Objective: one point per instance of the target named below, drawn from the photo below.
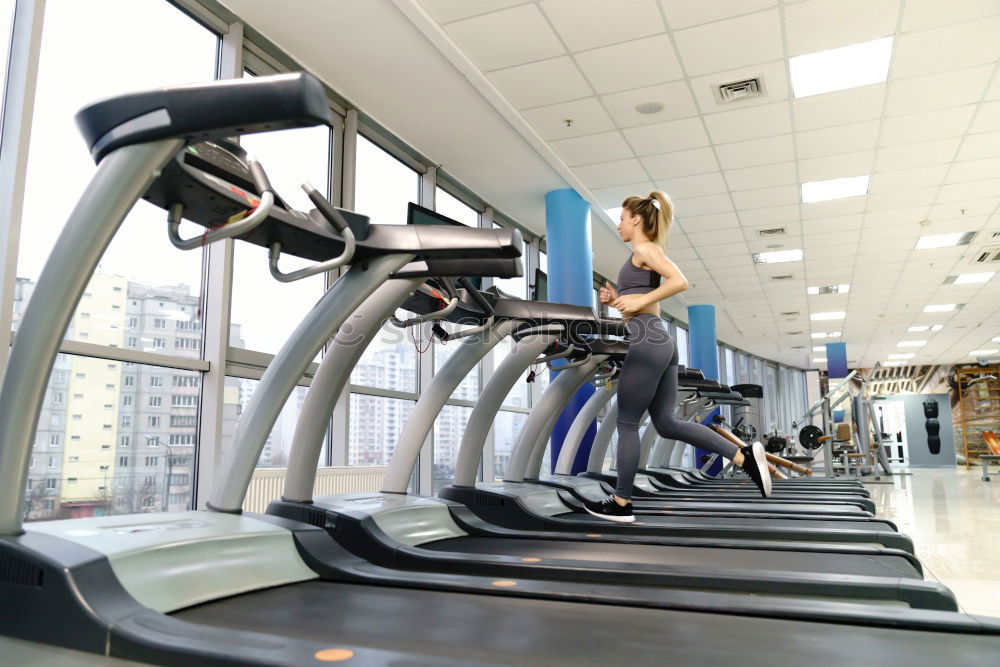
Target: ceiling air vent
(794, 333)
(774, 231)
(987, 255)
(791, 313)
(735, 91)
(787, 276)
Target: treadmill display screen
(418, 215)
(541, 286)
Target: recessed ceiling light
(922, 327)
(826, 334)
(834, 315)
(937, 327)
(908, 355)
(835, 188)
(979, 352)
(995, 339)
(818, 360)
(649, 107)
(778, 256)
(839, 69)
(819, 348)
(942, 307)
(911, 343)
(944, 240)
(829, 289)
(894, 363)
(970, 278)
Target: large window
(682, 346)
(376, 423)
(506, 430)
(384, 188)
(771, 399)
(266, 310)
(449, 427)
(91, 50)
(115, 438)
(238, 393)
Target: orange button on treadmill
(334, 654)
(504, 583)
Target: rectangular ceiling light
(995, 339)
(834, 315)
(981, 352)
(937, 327)
(819, 360)
(894, 363)
(829, 289)
(911, 343)
(902, 356)
(826, 334)
(916, 329)
(835, 188)
(778, 256)
(972, 278)
(942, 307)
(839, 69)
(819, 348)
(944, 240)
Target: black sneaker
(611, 510)
(755, 465)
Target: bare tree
(34, 502)
(134, 496)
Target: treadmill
(395, 529)
(221, 587)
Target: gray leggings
(648, 382)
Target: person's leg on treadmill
(662, 412)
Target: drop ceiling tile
(593, 148)
(838, 207)
(703, 205)
(770, 217)
(844, 223)
(893, 158)
(675, 97)
(974, 170)
(833, 252)
(614, 196)
(757, 243)
(712, 222)
(836, 166)
(781, 195)
(968, 191)
(700, 240)
(584, 24)
(968, 223)
(587, 115)
(927, 126)
(607, 174)
(728, 250)
(445, 11)
(773, 76)
(633, 64)
(987, 118)
(667, 137)
(923, 14)
(836, 140)
(756, 152)
(755, 38)
(993, 92)
(910, 215)
(891, 200)
(937, 91)
(541, 83)
(833, 238)
(977, 146)
(686, 187)
(956, 209)
(487, 39)
(749, 123)
(684, 14)
(819, 25)
(683, 255)
(680, 163)
(839, 108)
(949, 48)
(908, 179)
(761, 177)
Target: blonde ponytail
(657, 213)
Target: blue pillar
(571, 280)
(836, 360)
(704, 357)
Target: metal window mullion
(216, 295)
(19, 105)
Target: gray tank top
(633, 280)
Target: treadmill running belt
(518, 631)
(743, 524)
(650, 554)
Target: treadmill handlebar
(322, 204)
(477, 296)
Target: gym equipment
(933, 426)
(812, 437)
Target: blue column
(836, 360)
(704, 357)
(571, 280)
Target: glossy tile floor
(953, 517)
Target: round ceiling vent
(649, 107)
